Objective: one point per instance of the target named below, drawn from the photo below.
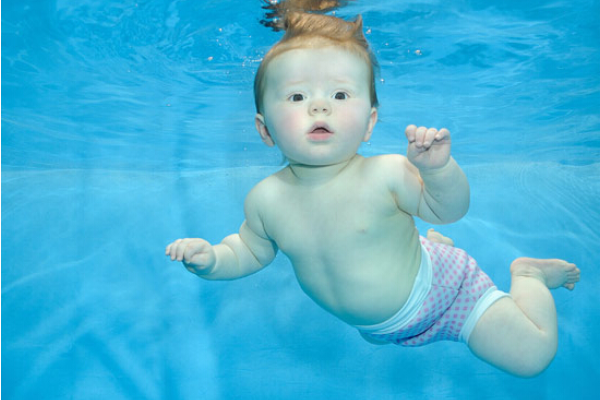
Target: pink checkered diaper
(450, 294)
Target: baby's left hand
(428, 148)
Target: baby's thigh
(507, 339)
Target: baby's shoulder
(264, 191)
(385, 165)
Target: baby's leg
(436, 237)
(519, 335)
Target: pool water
(127, 124)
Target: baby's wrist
(200, 270)
(425, 170)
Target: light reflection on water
(160, 76)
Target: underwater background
(128, 124)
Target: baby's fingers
(185, 249)
(423, 137)
(410, 133)
(442, 134)
(428, 136)
(420, 137)
(174, 248)
(193, 248)
(170, 250)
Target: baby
(346, 222)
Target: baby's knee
(530, 370)
(535, 361)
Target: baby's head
(306, 31)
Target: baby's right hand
(197, 255)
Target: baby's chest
(328, 223)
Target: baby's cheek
(289, 121)
(353, 117)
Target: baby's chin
(317, 162)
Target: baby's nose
(320, 107)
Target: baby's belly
(361, 290)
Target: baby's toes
(573, 273)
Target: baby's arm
(440, 184)
(238, 255)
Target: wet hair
(277, 9)
(308, 30)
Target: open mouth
(320, 132)
(320, 128)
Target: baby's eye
(340, 96)
(296, 97)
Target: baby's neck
(318, 174)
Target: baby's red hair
(307, 30)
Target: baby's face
(317, 106)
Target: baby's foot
(553, 273)
(437, 237)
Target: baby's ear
(371, 126)
(261, 127)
